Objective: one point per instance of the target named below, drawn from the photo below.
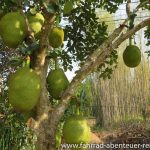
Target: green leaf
(14, 1)
(68, 7)
(15, 61)
(52, 7)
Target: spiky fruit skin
(24, 89)
(36, 22)
(132, 56)
(13, 29)
(76, 131)
(57, 82)
(56, 37)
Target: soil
(133, 133)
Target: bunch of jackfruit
(14, 30)
(25, 83)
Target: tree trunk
(43, 109)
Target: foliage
(14, 134)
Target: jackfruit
(132, 56)
(13, 29)
(56, 37)
(24, 89)
(57, 83)
(36, 22)
(76, 131)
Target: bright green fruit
(24, 89)
(36, 22)
(56, 37)
(57, 83)
(76, 131)
(13, 29)
(132, 56)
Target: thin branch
(143, 4)
(125, 36)
(128, 8)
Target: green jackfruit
(57, 83)
(132, 56)
(36, 22)
(56, 37)
(76, 131)
(24, 89)
(13, 29)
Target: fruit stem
(56, 63)
(130, 41)
(27, 62)
(57, 21)
(77, 110)
(73, 109)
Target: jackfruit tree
(47, 36)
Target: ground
(129, 133)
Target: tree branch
(143, 4)
(128, 8)
(125, 36)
